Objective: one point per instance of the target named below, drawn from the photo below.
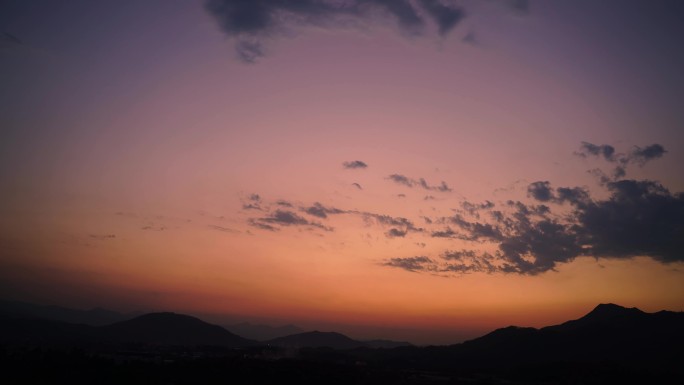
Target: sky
(422, 170)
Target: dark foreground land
(610, 345)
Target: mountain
(94, 317)
(171, 329)
(316, 339)
(263, 332)
(608, 332)
(333, 340)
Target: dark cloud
(642, 155)
(253, 202)
(540, 191)
(467, 261)
(474, 209)
(395, 233)
(283, 203)
(358, 186)
(446, 233)
(318, 210)
(354, 164)
(639, 218)
(604, 150)
(388, 220)
(445, 16)
(401, 179)
(410, 182)
(252, 21)
(638, 155)
(413, 264)
(543, 192)
(284, 218)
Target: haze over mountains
(608, 330)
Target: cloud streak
(420, 182)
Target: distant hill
(171, 329)
(94, 317)
(316, 339)
(263, 332)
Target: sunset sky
(424, 170)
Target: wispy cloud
(420, 182)
(354, 164)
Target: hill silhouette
(171, 329)
(316, 339)
(608, 332)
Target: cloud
(395, 233)
(540, 191)
(253, 202)
(446, 233)
(354, 164)
(420, 182)
(260, 225)
(358, 186)
(223, 229)
(603, 150)
(638, 155)
(412, 264)
(250, 22)
(642, 155)
(283, 203)
(467, 261)
(318, 210)
(639, 218)
(284, 218)
(445, 16)
(389, 220)
(401, 179)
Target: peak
(608, 310)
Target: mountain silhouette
(263, 332)
(608, 332)
(171, 329)
(94, 317)
(316, 339)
